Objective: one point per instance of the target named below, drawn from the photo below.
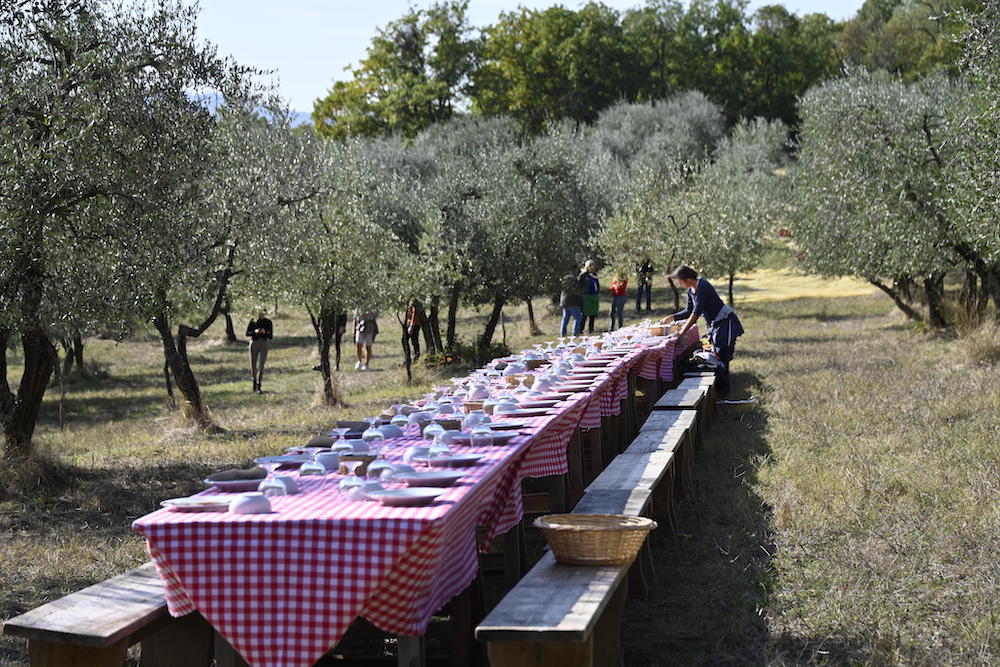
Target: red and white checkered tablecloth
(283, 588)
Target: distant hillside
(301, 118)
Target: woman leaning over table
(723, 325)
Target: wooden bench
(558, 615)
(695, 399)
(569, 615)
(94, 627)
(675, 431)
(708, 381)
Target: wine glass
(482, 435)
(312, 466)
(433, 430)
(351, 485)
(271, 486)
(439, 449)
(373, 437)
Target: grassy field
(852, 518)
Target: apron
(590, 304)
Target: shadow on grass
(713, 579)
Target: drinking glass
(482, 436)
(373, 436)
(312, 466)
(433, 430)
(352, 481)
(271, 486)
(439, 449)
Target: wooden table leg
(575, 461)
(188, 640)
(48, 654)
(411, 651)
(609, 438)
(513, 555)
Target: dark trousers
(648, 289)
(725, 355)
(590, 323)
(413, 335)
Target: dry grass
(853, 518)
(981, 344)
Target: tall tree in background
(415, 73)
(907, 37)
(543, 65)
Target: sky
(308, 43)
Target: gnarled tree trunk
(453, 299)
(934, 291)
(176, 357)
(226, 311)
(533, 329)
(432, 317)
(898, 300)
(491, 327)
(325, 326)
(19, 412)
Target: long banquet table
(284, 587)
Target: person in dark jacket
(591, 294)
(571, 300)
(723, 325)
(644, 283)
(259, 331)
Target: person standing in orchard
(413, 328)
(644, 285)
(723, 325)
(260, 331)
(619, 287)
(591, 293)
(571, 301)
(365, 330)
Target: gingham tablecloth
(283, 588)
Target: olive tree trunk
(453, 300)
(325, 326)
(491, 327)
(19, 412)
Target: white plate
(291, 460)
(507, 425)
(526, 412)
(218, 503)
(498, 438)
(455, 461)
(431, 478)
(406, 497)
(537, 404)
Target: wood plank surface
(99, 615)
(632, 470)
(553, 602)
(630, 502)
(684, 399)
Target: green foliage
(909, 38)
(543, 65)
(415, 74)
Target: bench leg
(188, 640)
(541, 654)
(48, 654)
(641, 575)
(411, 651)
(513, 555)
(226, 655)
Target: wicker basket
(469, 406)
(514, 380)
(594, 539)
(450, 424)
(657, 330)
(532, 364)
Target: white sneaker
(357, 365)
(364, 367)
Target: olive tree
(95, 111)
(735, 198)
(875, 158)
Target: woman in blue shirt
(723, 325)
